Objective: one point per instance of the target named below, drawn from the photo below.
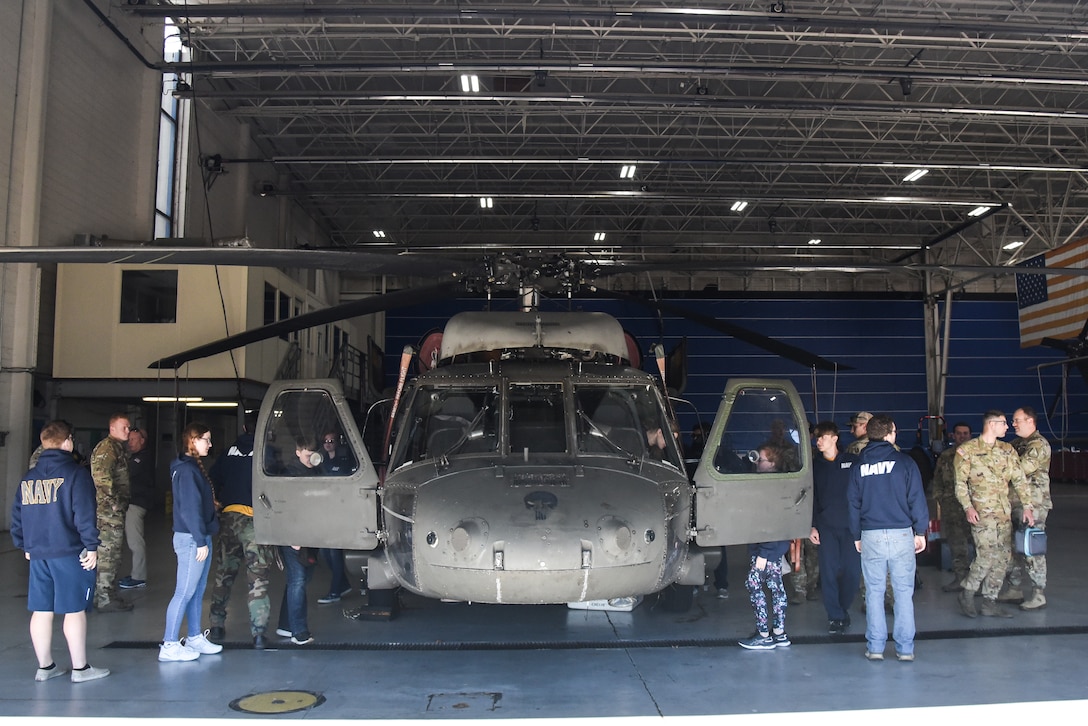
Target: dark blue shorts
(60, 585)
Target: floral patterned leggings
(770, 578)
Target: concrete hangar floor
(470, 661)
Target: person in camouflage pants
(109, 469)
(232, 482)
(955, 531)
(985, 469)
(1034, 451)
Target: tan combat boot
(1011, 594)
(991, 609)
(967, 604)
(1035, 602)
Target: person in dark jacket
(53, 522)
(888, 521)
(765, 573)
(195, 521)
(840, 563)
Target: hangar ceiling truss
(812, 113)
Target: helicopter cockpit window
(623, 419)
(761, 434)
(449, 420)
(537, 421)
(304, 437)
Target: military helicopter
(533, 467)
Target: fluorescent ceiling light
(213, 404)
(915, 175)
(486, 203)
(172, 399)
(815, 241)
(379, 233)
(978, 211)
(627, 172)
(470, 83)
(598, 236)
(738, 206)
(1013, 245)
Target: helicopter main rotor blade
(785, 350)
(355, 308)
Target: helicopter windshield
(448, 419)
(625, 419)
(761, 425)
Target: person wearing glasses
(985, 469)
(195, 521)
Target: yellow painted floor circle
(277, 702)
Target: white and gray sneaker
(202, 645)
(173, 652)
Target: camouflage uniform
(803, 581)
(238, 546)
(955, 529)
(857, 445)
(109, 469)
(1034, 454)
(984, 474)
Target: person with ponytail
(195, 521)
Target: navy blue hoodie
(54, 514)
(194, 506)
(886, 491)
(831, 480)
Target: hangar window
(149, 296)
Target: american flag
(1053, 306)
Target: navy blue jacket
(232, 474)
(830, 482)
(772, 551)
(886, 491)
(54, 511)
(194, 506)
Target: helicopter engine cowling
(520, 534)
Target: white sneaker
(202, 645)
(283, 633)
(174, 652)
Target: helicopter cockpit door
(313, 483)
(754, 481)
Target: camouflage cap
(861, 417)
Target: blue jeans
(293, 605)
(889, 552)
(188, 599)
(335, 560)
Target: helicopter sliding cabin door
(313, 483)
(754, 481)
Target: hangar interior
(855, 179)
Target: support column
(19, 293)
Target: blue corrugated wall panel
(882, 339)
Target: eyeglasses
(330, 441)
(206, 439)
(1019, 420)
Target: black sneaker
(303, 638)
(758, 642)
(781, 640)
(835, 627)
(128, 583)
